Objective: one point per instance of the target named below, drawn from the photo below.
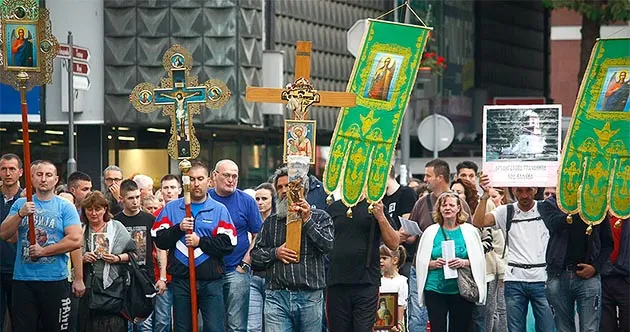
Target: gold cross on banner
(180, 96)
(299, 133)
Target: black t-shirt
(576, 251)
(399, 203)
(352, 238)
(139, 227)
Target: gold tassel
(589, 229)
(371, 208)
(569, 219)
(329, 199)
(618, 223)
(349, 213)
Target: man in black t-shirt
(398, 202)
(354, 275)
(139, 225)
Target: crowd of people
(479, 262)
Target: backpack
(508, 223)
(140, 293)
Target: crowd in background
(512, 248)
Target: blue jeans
(143, 326)
(567, 290)
(479, 318)
(299, 311)
(418, 316)
(209, 299)
(256, 304)
(236, 294)
(162, 311)
(518, 295)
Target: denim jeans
(565, 291)
(209, 299)
(299, 311)
(496, 320)
(518, 295)
(418, 316)
(236, 294)
(479, 313)
(162, 312)
(143, 326)
(256, 304)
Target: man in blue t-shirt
(40, 287)
(246, 219)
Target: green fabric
(435, 278)
(365, 135)
(595, 169)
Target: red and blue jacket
(215, 229)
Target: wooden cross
(299, 96)
(180, 96)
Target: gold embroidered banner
(365, 135)
(595, 167)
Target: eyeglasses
(228, 176)
(113, 179)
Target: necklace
(98, 230)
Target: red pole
(22, 80)
(184, 167)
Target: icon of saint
(382, 79)
(299, 144)
(21, 48)
(617, 92)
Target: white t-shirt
(396, 285)
(527, 243)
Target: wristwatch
(163, 279)
(245, 266)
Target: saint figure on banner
(21, 48)
(617, 92)
(382, 79)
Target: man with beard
(294, 295)
(213, 238)
(40, 287)
(246, 218)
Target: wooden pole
(184, 167)
(22, 79)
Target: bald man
(246, 219)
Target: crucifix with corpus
(180, 96)
(299, 132)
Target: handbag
(111, 299)
(465, 281)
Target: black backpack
(508, 223)
(140, 293)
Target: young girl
(392, 282)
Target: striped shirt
(317, 241)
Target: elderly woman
(106, 249)
(441, 295)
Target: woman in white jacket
(440, 295)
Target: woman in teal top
(441, 295)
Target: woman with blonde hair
(99, 310)
(441, 295)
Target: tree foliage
(602, 11)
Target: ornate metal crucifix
(180, 96)
(299, 132)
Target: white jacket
(475, 255)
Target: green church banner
(365, 136)
(594, 177)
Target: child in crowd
(392, 281)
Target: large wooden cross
(299, 96)
(180, 96)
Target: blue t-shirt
(51, 219)
(435, 278)
(246, 218)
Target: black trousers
(41, 302)
(615, 294)
(459, 311)
(351, 307)
(6, 287)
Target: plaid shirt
(317, 241)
